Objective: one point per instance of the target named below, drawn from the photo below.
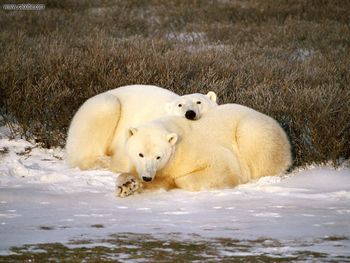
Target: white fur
(229, 145)
(196, 102)
(98, 131)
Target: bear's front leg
(127, 184)
(104, 162)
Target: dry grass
(289, 59)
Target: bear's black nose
(147, 179)
(190, 114)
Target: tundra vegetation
(287, 59)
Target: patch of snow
(186, 37)
(301, 54)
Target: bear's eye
(141, 155)
(180, 105)
(199, 102)
(158, 158)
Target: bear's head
(149, 148)
(192, 106)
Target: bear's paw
(127, 185)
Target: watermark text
(25, 7)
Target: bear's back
(141, 103)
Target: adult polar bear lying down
(97, 133)
(231, 144)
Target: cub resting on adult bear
(231, 144)
(96, 135)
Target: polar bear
(231, 144)
(192, 106)
(97, 133)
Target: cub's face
(192, 106)
(149, 150)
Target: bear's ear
(212, 96)
(172, 138)
(131, 132)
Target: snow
(42, 200)
(186, 37)
(301, 54)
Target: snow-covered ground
(42, 200)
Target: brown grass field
(288, 59)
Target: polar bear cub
(192, 106)
(97, 133)
(231, 144)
